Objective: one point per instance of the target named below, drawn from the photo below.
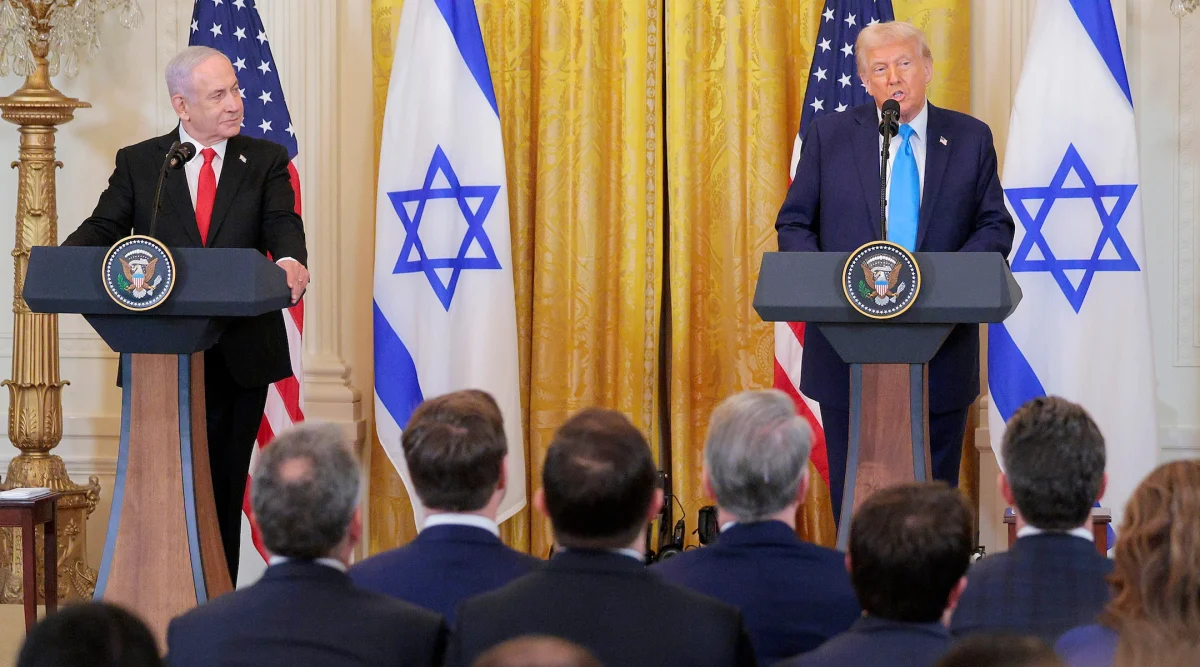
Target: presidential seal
(881, 280)
(138, 272)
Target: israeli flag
(445, 314)
(1071, 182)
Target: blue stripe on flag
(1097, 19)
(1010, 377)
(464, 23)
(396, 381)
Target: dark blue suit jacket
(878, 642)
(442, 567)
(833, 206)
(1089, 646)
(1044, 585)
(304, 613)
(793, 595)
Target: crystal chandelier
(66, 31)
(1181, 8)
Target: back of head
(1156, 571)
(1053, 457)
(909, 546)
(537, 651)
(1000, 651)
(305, 491)
(454, 446)
(598, 480)
(756, 453)
(93, 634)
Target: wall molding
(1187, 338)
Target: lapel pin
(243, 157)
(941, 139)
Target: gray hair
(180, 68)
(874, 36)
(756, 452)
(305, 490)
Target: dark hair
(454, 445)
(305, 490)
(999, 650)
(909, 546)
(599, 480)
(91, 634)
(537, 651)
(1053, 456)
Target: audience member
(1052, 579)
(909, 550)
(598, 490)
(998, 650)
(537, 651)
(305, 610)
(1153, 619)
(454, 446)
(92, 634)
(794, 595)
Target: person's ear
(1006, 490)
(539, 502)
(1103, 487)
(707, 482)
(802, 489)
(656, 503)
(502, 483)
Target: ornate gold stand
(35, 401)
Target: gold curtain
(736, 73)
(578, 87)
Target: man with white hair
(793, 595)
(944, 195)
(235, 192)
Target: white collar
(632, 553)
(219, 147)
(327, 562)
(1029, 531)
(459, 519)
(727, 525)
(919, 123)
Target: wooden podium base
(889, 433)
(162, 553)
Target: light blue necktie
(904, 195)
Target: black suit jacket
(254, 208)
(304, 613)
(1044, 585)
(611, 605)
(879, 642)
(794, 595)
(833, 206)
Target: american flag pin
(243, 157)
(941, 139)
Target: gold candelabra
(37, 39)
(1182, 8)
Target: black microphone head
(890, 107)
(180, 154)
(187, 150)
(889, 122)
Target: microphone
(889, 125)
(176, 157)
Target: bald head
(537, 651)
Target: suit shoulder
(383, 563)
(965, 123)
(833, 123)
(262, 146)
(384, 607)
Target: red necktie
(206, 192)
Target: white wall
(325, 64)
(1162, 58)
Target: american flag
(833, 86)
(234, 28)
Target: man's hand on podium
(297, 277)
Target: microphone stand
(162, 177)
(883, 165)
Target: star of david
(475, 232)
(1035, 220)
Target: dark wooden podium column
(889, 433)
(162, 553)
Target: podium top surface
(211, 282)
(957, 288)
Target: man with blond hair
(944, 195)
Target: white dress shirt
(457, 519)
(194, 165)
(919, 124)
(327, 562)
(1027, 531)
